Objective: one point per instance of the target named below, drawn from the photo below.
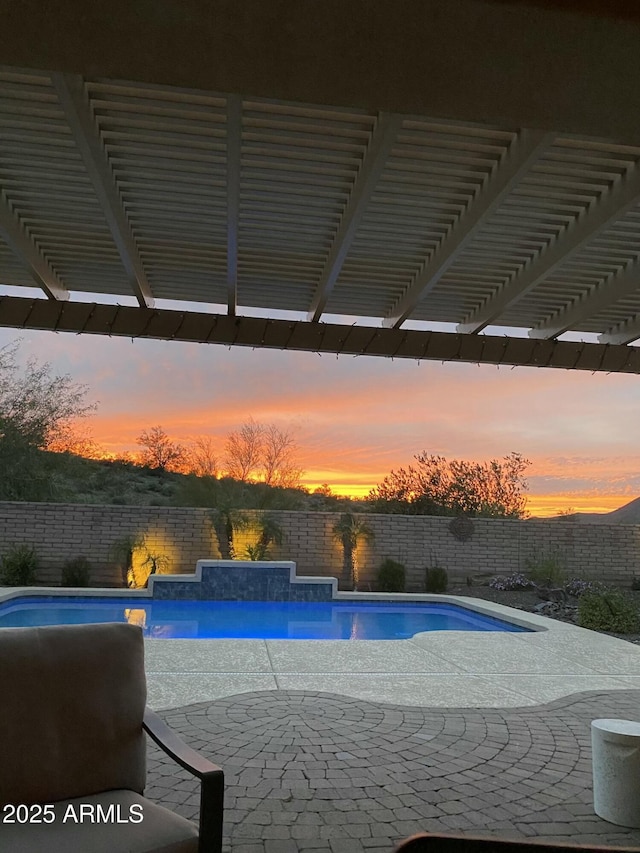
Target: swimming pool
(268, 620)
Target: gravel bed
(527, 599)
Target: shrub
(578, 587)
(436, 579)
(506, 583)
(608, 611)
(256, 552)
(76, 572)
(19, 566)
(391, 576)
(546, 569)
(635, 584)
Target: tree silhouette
(159, 451)
(437, 486)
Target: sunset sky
(357, 418)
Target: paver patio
(346, 746)
(311, 771)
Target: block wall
(184, 535)
(60, 532)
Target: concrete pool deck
(466, 669)
(435, 669)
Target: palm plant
(270, 533)
(350, 530)
(226, 519)
(268, 530)
(122, 551)
(157, 563)
(223, 525)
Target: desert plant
(608, 611)
(76, 572)
(19, 566)
(577, 587)
(436, 579)
(510, 582)
(391, 576)
(226, 520)
(270, 533)
(255, 552)
(223, 526)
(349, 531)
(122, 551)
(155, 563)
(546, 568)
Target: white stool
(616, 771)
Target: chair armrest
(174, 746)
(211, 778)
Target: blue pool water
(272, 620)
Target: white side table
(616, 771)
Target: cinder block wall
(60, 532)
(184, 535)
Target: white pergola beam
(523, 152)
(375, 158)
(607, 293)
(73, 100)
(14, 235)
(620, 198)
(234, 146)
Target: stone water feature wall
(235, 580)
(184, 535)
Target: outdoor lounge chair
(72, 748)
(435, 843)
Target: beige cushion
(71, 713)
(160, 831)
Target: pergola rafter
(523, 152)
(620, 199)
(375, 158)
(623, 333)
(74, 102)
(626, 282)
(234, 146)
(27, 253)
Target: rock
(557, 609)
(556, 594)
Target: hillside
(627, 514)
(66, 478)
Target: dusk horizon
(355, 419)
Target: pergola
(373, 169)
